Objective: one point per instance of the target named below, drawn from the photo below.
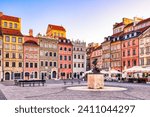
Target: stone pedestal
(95, 81)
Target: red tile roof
(118, 24)
(9, 18)
(10, 32)
(56, 27)
(117, 34)
(143, 21)
(131, 24)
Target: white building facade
(79, 58)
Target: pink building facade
(65, 59)
(31, 57)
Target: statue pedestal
(95, 81)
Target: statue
(95, 68)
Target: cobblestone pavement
(56, 90)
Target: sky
(88, 20)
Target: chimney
(1, 14)
(30, 32)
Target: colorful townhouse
(31, 56)
(1, 55)
(144, 44)
(65, 59)
(97, 55)
(79, 58)
(106, 57)
(56, 31)
(10, 28)
(48, 57)
(130, 43)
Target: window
(128, 52)
(13, 39)
(60, 65)
(69, 49)
(128, 43)
(55, 64)
(0, 52)
(134, 52)
(10, 25)
(124, 63)
(41, 63)
(65, 65)
(75, 56)
(69, 66)
(20, 64)
(35, 65)
(13, 64)
(7, 64)
(128, 63)
(60, 57)
(65, 49)
(15, 25)
(69, 58)
(82, 56)
(82, 65)
(78, 56)
(20, 56)
(19, 47)
(60, 48)
(0, 63)
(46, 53)
(27, 65)
(78, 65)
(124, 54)
(77, 49)
(46, 63)
(148, 61)
(65, 57)
(13, 55)
(31, 65)
(5, 24)
(81, 49)
(50, 64)
(36, 75)
(54, 54)
(13, 47)
(142, 61)
(134, 62)
(141, 50)
(20, 40)
(7, 39)
(50, 54)
(133, 42)
(74, 65)
(7, 55)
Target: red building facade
(31, 57)
(65, 60)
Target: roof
(98, 48)
(29, 42)
(10, 32)
(143, 21)
(56, 27)
(118, 24)
(9, 18)
(64, 43)
(131, 24)
(117, 34)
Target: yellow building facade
(56, 31)
(12, 47)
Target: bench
(30, 82)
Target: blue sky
(88, 20)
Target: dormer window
(118, 39)
(126, 37)
(135, 34)
(130, 35)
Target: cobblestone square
(56, 90)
